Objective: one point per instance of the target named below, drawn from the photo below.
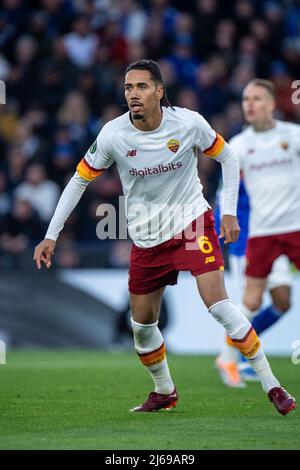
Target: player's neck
(149, 124)
(264, 126)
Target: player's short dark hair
(269, 86)
(155, 73)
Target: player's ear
(159, 92)
(273, 105)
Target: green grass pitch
(81, 400)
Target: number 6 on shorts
(205, 245)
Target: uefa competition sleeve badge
(173, 145)
(93, 147)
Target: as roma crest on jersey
(285, 145)
(173, 145)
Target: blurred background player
(270, 163)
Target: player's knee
(283, 305)
(253, 302)
(253, 295)
(144, 312)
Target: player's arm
(214, 146)
(68, 201)
(224, 154)
(96, 160)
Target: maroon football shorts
(196, 250)
(261, 252)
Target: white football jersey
(270, 164)
(158, 171)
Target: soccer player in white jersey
(269, 152)
(154, 146)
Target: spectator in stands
(20, 230)
(81, 43)
(36, 189)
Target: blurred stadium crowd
(63, 64)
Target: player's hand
(43, 253)
(230, 229)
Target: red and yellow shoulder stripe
(216, 147)
(86, 171)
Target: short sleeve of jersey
(99, 156)
(207, 140)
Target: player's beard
(137, 116)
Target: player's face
(142, 94)
(258, 105)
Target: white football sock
(228, 315)
(231, 353)
(149, 343)
(260, 364)
(237, 327)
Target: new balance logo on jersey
(131, 153)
